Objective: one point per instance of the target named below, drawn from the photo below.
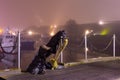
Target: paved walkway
(109, 69)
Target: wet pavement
(94, 70)
(98, 70)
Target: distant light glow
(105, 31)
(52, 33)
(55, 26)
(30, 33)
(101, 22)
(13, 33)
(88, 32)
(1, 31)
(86, 49)
(53, 29)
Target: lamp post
(86, 49)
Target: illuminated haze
(24, 13)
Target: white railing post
(114, 45)
(19, 56)
(61, 54)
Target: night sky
(24, 13)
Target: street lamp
(86, 32)
(86, 48)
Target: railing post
(19, 56)
(61, 56)
(113, 45)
